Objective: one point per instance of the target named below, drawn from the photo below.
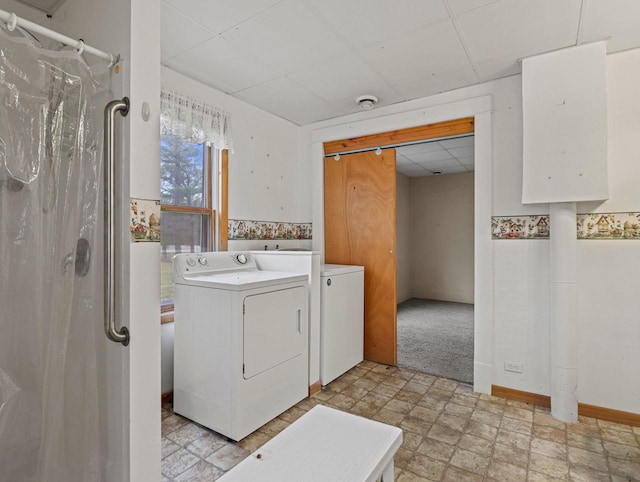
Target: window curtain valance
(194, 121)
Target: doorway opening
(435, 273)
(357, 177)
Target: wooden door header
(412, 134)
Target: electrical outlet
(513, 366)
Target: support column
(563, 343)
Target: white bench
(324, 445)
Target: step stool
(324, 445)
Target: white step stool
(324, 445)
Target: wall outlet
(513, 366)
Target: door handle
(121, 335)
(299, 321)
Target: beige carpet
(436, 337)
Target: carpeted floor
(436, 337)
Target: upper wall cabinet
(564, 96)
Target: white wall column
(563, 343)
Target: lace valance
(194, 121)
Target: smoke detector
(366, 102)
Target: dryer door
(274, 329)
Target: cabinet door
(274, 329)
(360, 229)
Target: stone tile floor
(450, 434)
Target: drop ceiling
(307, 60)
(448, 156)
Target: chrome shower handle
(121, 335)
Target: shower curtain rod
(13, 21)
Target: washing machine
(341, 319)
(240, 341)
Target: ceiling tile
(466, 161)
(422, 62)
(220, 64)
(412, 170)
(219, 15)
(344, 78)
(412, 167)
(440, 165)
(497, 68)
(305, 115)
(619, 20)
(290, 36)
(284, 97)
(457, 142)
(416, 173)
(501, 32)
(419, 148)
(363, 22)
(461, 6)
(430, 156)
(386, 96)
(179, 33)
(461, 151)
(442, 82)
(402, 161)
(455, 169)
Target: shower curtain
(51, 342)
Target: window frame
(218, 236)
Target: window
(189, 195)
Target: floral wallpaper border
(520, 227)
(609, 226)
(620, 225)
(144, 220)
(253, 230)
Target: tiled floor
(450, 434)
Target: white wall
(609, 271)
(403, 237)
(442, 237)
(264, 166)
(435, 237)
(514, 323)
(267, 180)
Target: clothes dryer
(240, 343)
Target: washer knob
(191, 261)
(203, 261)
(241, 258)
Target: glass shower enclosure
(58, 379)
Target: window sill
(166, 318)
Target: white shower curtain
(51, 342)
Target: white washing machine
(341, 319)
(241, 341)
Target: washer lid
(242, 280)
(336, 269)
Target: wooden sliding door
(360, 229)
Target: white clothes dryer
(240, 342)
